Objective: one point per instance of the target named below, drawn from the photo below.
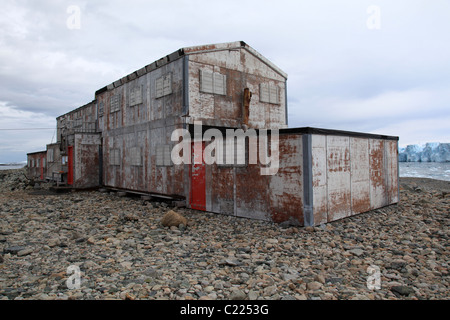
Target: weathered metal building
(37, 165)
(123, 140)
(323, 175)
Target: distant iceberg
(429, 152)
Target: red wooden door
(70, 165)
(198, 183)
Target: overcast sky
(372, 66)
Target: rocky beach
(123, 251)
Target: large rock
(172, 218)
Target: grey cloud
(334, 62)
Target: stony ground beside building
(123, 251)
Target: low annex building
(124, 140)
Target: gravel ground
(123, 252)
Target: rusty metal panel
(338, 177)
(252, 193)
(319, 176)
(392, 170)
(145, 126)
(86, 162)
(378, 192)
(360, 177)
(222, 189)
(286, 187)
(198, 179)
(241, 70)
(240, 58)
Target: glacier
(429, 152)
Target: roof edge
(231, 46)
(187, 51)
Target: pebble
(237, 295)
(24, 252)
(314, 285)
(123, 251)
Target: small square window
(115, 103)
(136, 156)
(163, 85)
(114, 157)
(135, 96)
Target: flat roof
(306, 130)
(36, 152)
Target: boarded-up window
(114, 157)
(163, 85)
(101, 109)
(50, 155)
(269, 93)
(115, 103)
(213, 82)
(163, 155)
(135, 96)
(136, 156)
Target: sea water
(10, 167)
(432, 170)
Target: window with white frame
(213, 82)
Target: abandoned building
(122, 140)
(37, 164)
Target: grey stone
(402, 290)
(357, 252)
(13, 250)
(25, 252)
(232, 262)
(237, 295)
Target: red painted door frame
(70, 165)
(198, 181)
